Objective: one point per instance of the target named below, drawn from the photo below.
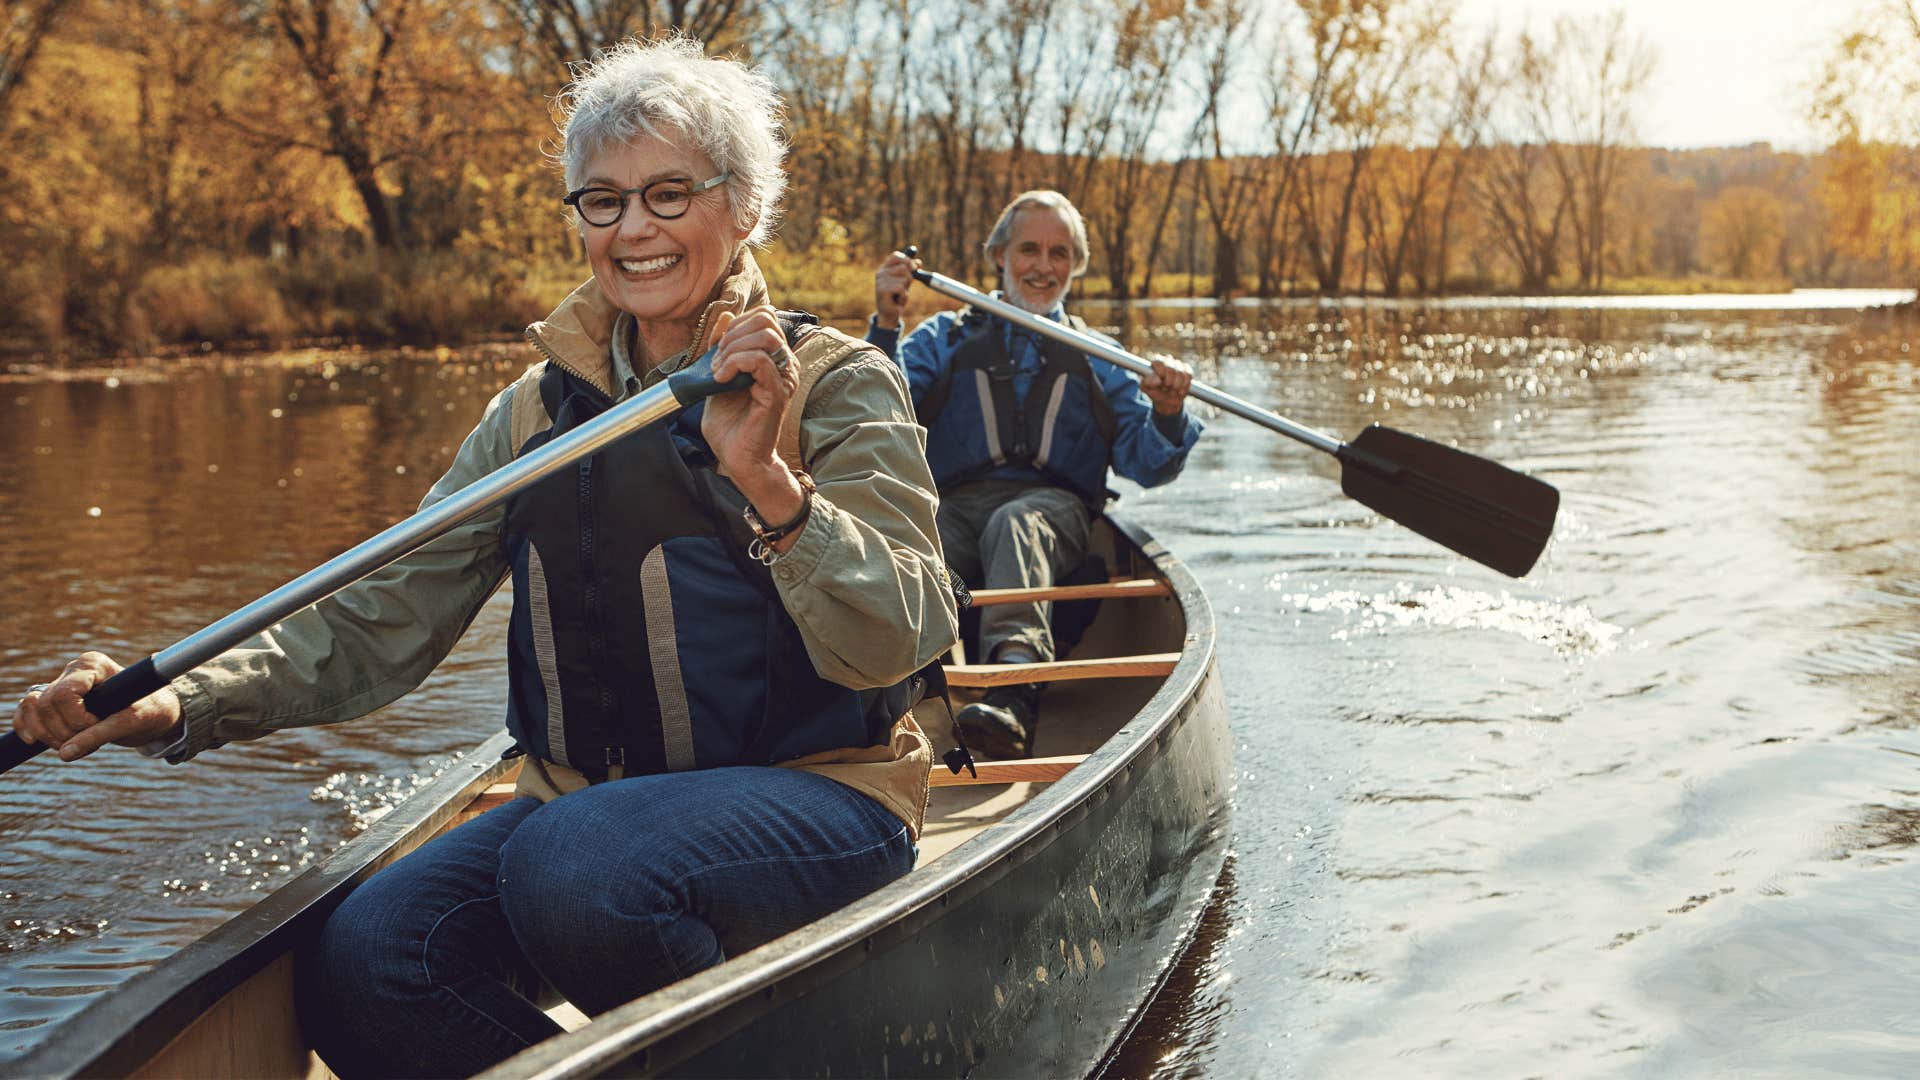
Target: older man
(1020, 433)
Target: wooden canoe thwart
(1156, 665)
(1110, 590)
(973, 964)
(1040, 770)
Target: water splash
(368, 797)
(1571, 630)
(247, 865)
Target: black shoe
(1001, 724)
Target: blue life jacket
(1063, 428)
(642, 634)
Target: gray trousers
(1007, 535)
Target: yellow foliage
(824, 274)
(1742, 230)
(1872, 196)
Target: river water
(1650, 810)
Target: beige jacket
(864, 581)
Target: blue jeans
(433, 967)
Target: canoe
(1050, 900)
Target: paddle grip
(911, 251)
(14, 750)
(695, 382)
(123, 688)
(120, 690)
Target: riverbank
(376, 300)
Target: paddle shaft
(133, 683)
(1113, 354)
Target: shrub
(35, 313)
(822, 274)
(210, 298)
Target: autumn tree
(1229, 180)
(375, 87)
(1667, 208)
(1458, 123)
(1742, 230)
(1524, 197)
(1017, 42)
(1147, 45)
(1358, 50)
(1869, 103)
(1587, 107)
(1420, 128)
(1077, 98)
(563, 31)
(837, 106)
(956, 117)
(24, 25)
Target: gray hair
(1002, 233)
(670, 87)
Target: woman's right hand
(891, 283)
(54, 715)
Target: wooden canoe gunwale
(655, 1032)
(129, 1026)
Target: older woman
(713, 622)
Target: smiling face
(660, 271)
(1037, 267)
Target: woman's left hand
(743, 427)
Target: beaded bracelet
(760, 548)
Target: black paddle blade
(1483, 510)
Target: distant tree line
(180, 168)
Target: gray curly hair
(670, 87)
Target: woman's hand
(743, 426)
(1167, 386)
(891, 283)
(55, 716)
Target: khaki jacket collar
(582, 333)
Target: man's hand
(891, 283)
(1167, 386)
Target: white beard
(1039, 305)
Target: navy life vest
(1062, 428)
(642, 634)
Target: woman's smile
(650, 266)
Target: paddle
(1485, 511)
(693, 383)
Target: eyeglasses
(665, 199)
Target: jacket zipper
(596, 626)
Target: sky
(1729, 72)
